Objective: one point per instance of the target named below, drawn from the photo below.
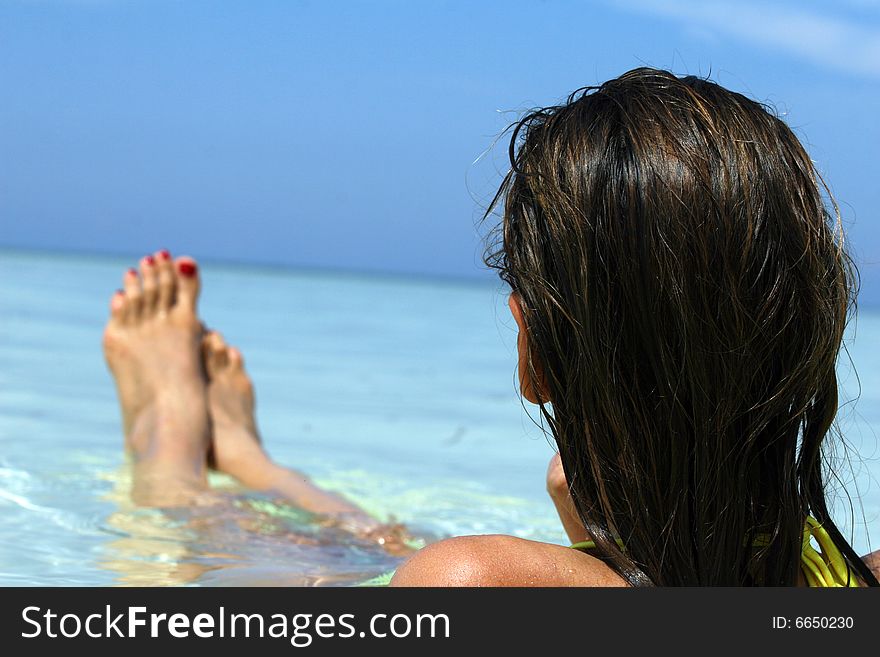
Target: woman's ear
(533, 390)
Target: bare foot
(152, 344)
(236, 448)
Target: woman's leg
(238, 451)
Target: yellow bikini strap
(823, 568)
(591, 545)
(826, 567)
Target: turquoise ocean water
(398, 393)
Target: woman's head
(683, 292)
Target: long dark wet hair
(685, 290)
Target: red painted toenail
(132, 272)
(164, 254)
(120, 292)
(150, 260)
(187, 269)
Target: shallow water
(398, 393)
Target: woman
(681, 293)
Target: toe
(187, 282)
(215, 353)
(166, 281)
(133, 295)
(215, 338)
(150, 278)
(117, 306)
(236, 360)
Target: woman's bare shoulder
(496, 560)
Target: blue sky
(359, 135)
